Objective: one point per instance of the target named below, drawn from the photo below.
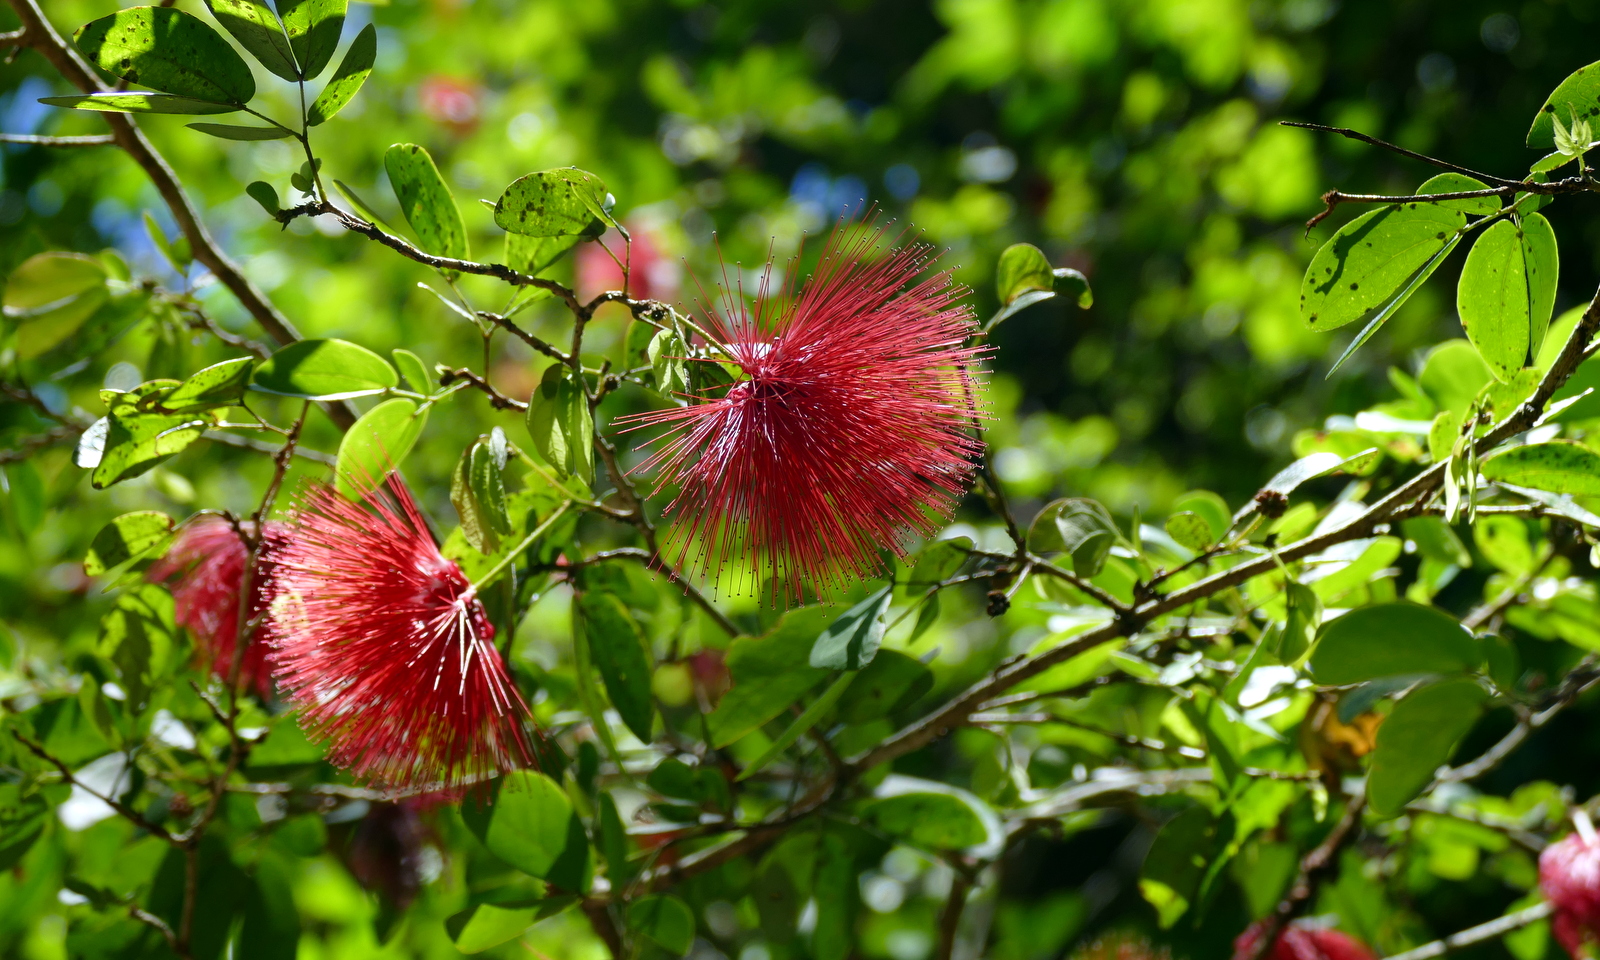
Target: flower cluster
(852, 427)
(1297, 942)
(1569, 877)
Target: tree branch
(96, 140)
(1483, 931)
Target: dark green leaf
(1073, 285)
(1492, 299)
(50, 296)
(533, 255)
(377, 444)
(218, 385)
(1176, 863)
(1461, 183)
(935, 821)
(1559, 466)
(324, 370)
(271, 929)
(553, 203)
(851, 641)
(1079, 527)
(1436, 541)
(614, 843)
(426, 201)
(139, 102)
(265, 194)
(1541, 259)
(347, 80)
(138, 636)
(478, 493)
(893, 681)
(487, 925)
(937, 562)
(1419, 736)
(526, 825)
(668, 361)
(808, 718)
(489, 489)
(561, 426)
(620, 654)
(257, 29)
(665, 920)
(1578, 96)
(1300, 627)
(219, 894)
(1372, 259)
(1392, 639)
(230, 131)
(127, 537)
(413, 369)
(769, 673)
(22, 818)
(313, 27)
(167, 50)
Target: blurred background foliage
(1134, 140)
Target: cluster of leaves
(1244, 680)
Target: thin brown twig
(950, 916)
(498, 400)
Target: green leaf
(1076, 526)
(426, 201)
(1022, 267)
(167, 50)
(1073, 285)
(934, 821)
(1418, 737)
(230, 131)
(377, 444)
(526, 824)
(614, 843)
(1372, 259)
(1576, 96)
(313, 27)
(257, 29)
(1436, 541)
(937, 562)
(218, 385)
(664, 920)
(486, 925)
(136, 441)
(1492, 298)
(347, 80)
(851, 641)
(1300, 626)
(1504, 543)
(50, 296)
(265, 194)
(769, 673)
(478, 493)
(893, 681)
(1559, 466)
(413, 369)
(324, 370)
(1176, 863)
(1190, 530)
(138, 636)
(554, 203)
(807, 719)
(1543, 263)
(128, 537)
(620, 653)
(271, 929)
(1453, 375)
(1461, 183)
(219, 891)
(139, 102)
(668, 356)
(534, 255)
(1392, 639)
(23, 817)
(560, 424)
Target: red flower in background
(451, 102)
(382, 643)
(1569, 876)
(652, 274)
(851, 428)
(1302, 943)
(205, 567)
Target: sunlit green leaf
(1559, 466)
(1419, 736)
(347, 80)
(167, 50)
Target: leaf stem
(527, 541)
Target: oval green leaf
(426, 201)
(1492, 298)
(1392, 639)
(413, 369)
(553, 203)
(1418, 737)
(217, 385)
(167, 50)
(1559, 466)
(526, 825)
(937, 821)
(324, 370)
(313, 27)
(347, 80)
(1543, 263)
(1461, 183)
(561, 426)
(257, 29)
(851, 641)
(619, 652)
(769, 673)
(376, 444)
(1360, 270)
(1022, 267)
(139, 102)
(233, 131)
(127, 537)
(664, 920)
(1576, 96)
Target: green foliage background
(1135, 141)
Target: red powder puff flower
(1302, 943)
(1569, 876)
(206, 568)
(383, 644)
(852, 427)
